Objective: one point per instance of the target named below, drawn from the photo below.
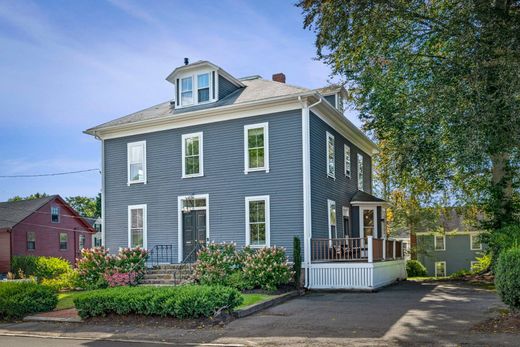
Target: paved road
(404, 314)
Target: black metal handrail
(161, 254)
(190, 257)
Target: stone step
(159, 271)
(174, 266)
(163, 282)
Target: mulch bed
(157, 321)
(506, 322)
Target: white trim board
(200, 135)
(266, 199)
(180, 198)
(265, 127)
(145, 224)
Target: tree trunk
(502, 186)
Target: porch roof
(362, 197)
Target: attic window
(196, 88)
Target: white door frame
(361, 222)
(180, 199)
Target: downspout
(306, 159)
(102, 189)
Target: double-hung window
(360, 173)
(192, 155)
(203, 87)
(55, 214)
(476, 245)
(439, 242)
(348, 168)
(257, 221)
(137, 226)
(136, 156)
(256, 147)
(440, 269)
(64, 241)
(331, 156)
(81, 243)
(31, 240)
(187, 91)
(333, 231)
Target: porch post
(370, 249)
(394, 249)
(384, 248)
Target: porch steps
(168, 274)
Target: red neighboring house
(42, 227)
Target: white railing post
(370, 249)
(384, 248)
(394, 249)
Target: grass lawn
(65, 300)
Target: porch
(354, 263)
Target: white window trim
(145, 224)
(265, 168)
(329, 205)
(266, 199)
(330, 136)
(435, 243)
(180, 241)
(471, 236)
(201, 154)
(59, 217)
(195, 88)
(361, 183)
(345, 148)
(128, 148)
(362, 221)
(435, 267)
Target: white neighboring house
(97, 238)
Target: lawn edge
(254, 308)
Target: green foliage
(65, 281)
(18, 299)
(460, 274)
(29, 197)
(265, 268)
(501, 240)
(187, 301)
(297, 259)
(96, 265)
(507, 277)
(40, 267)
(414, 268)
(85, 206)
(437, 85)
(483, 264)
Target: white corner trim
(103, 224)
(145, 224)
(129, 145)
(266, 199)
(328, 137)
(306, 156)
(200, 135)
(180, 199)
(265, 127)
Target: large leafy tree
(85, 206)
(439, 82)
(29, 197)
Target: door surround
(362, 222)
(180, 241)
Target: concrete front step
(169, 271)
(171, 282)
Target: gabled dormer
(335, 95)
(201, 83)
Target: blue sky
(68, 65)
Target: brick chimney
(279, 77)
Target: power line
(49, 174)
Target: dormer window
(187, 91)
(196, 88)
(203, 87)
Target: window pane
(333, 214)
(63, 241)
(330, 156)
(137, 237)
(137, 218)
(360, 172)
(368, 222)
(187, 98)
(203, 81)
(136, 172)
(186, 84)
(136, 154)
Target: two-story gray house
(251, 161)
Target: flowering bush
(99, 269)
(267, 268)
(215, 263)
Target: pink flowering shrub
(118, 279)
(97, 268)
(267, 268)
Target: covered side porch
(363, 257)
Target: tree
(439, 83)
(29, 197)
(85, 206)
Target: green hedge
(414, 268)
(18, 299)
(188, 301)
(40, 267)
(507, 277)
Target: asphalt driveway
(403, 314)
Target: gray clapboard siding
(340, 189)
(225, 87)
(224, 180)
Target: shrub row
(415, 268)
(221, 263)
(17, 299)
(188, 301)
(507, 277)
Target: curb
(52, 319)
(249, 310)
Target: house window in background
(439, 242)
(256, 144)
(186, 91)
(64, 241)
(192, 155)
(137, 226)
(81, 242)
(203, 87)
(333, 231)
(55, 214)
(440, 269)
(348, 168)
(137, 162)
(476, 245)
(257, 221)
(331, 156)
(31, 240)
